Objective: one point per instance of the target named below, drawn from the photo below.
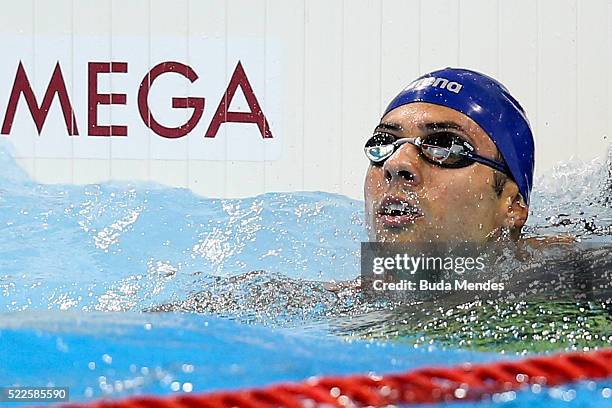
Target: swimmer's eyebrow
(437, 126)
(388, 126)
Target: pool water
(243, 285)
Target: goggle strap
(488, 162)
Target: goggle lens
(447, 149)
(444, 149)
(380, 147)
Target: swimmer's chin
(398, 221)
(395, 231)
(399, 234)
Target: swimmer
(452, 159)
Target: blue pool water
(80, 264)
(99, 354)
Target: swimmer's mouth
(394, 211)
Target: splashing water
(576, 199)
(118, 247)
(267, 260)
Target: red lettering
(196, 103)
(222, 115)
(95, 99)
(39, 114)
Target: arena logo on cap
(441, 83)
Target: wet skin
(446, 204)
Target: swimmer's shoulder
(541, 242)
(341, 286)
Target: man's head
(461, 165)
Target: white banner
(177, 98)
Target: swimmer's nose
(403, 167)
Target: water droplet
(460, 393)
(107, 359)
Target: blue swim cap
(490, 105)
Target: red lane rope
(423, 385)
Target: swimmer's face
(408, 199)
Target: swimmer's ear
(513, 211)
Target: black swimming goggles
(444, 149)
